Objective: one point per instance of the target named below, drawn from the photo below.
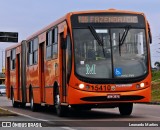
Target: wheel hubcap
(13, 100)
(57, 102)
(31, 102)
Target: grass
(6, 113)
(156, 91)
(155, 75)
(156, 86)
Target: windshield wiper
(94, 33)
(122, 39)
(96, 36)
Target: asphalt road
(94, 119)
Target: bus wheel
(34, 107)
(23, 105)
(60, 110)
(125, 108)
(14, 103)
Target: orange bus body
(40, 77)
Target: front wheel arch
(60, 109)
(55, 87)
(11, 92)
(14, 103)
(34, 107)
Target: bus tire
(34, 106)
(125, 109)
(60, 110)
(23, 105)
(14, 103)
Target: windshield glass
(117, 55)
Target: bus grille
(105, 99)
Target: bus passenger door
(64, 58)
(63, 69)
(8, 78)
(41, 72)
(66, 64)
(18, 76)
(23, 72)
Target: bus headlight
(142, 85)
(81, 86)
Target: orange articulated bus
(84, 60)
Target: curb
(151, 103)
(154, 103)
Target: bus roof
(71, 13)
(79, 12)
(108, 10)
(13, 46)
(47, 27)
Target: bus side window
(48, 44)
(30, 50)
(55, 43)
(13, 59)
(51, 44)
(35, 51)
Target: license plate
(113, 96)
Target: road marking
(39, 119)
(68, 128)
(25, 115)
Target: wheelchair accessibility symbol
(118, 71)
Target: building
(2, 78)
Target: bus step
(43, 104)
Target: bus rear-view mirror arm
(150, 37)
(149, 33)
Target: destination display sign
(107, 19)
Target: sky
(29, 16)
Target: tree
(157, 64)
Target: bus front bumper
(76, 96)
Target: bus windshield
(121, 54)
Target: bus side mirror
(64, 38)
(150, 37)
(149, 33)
